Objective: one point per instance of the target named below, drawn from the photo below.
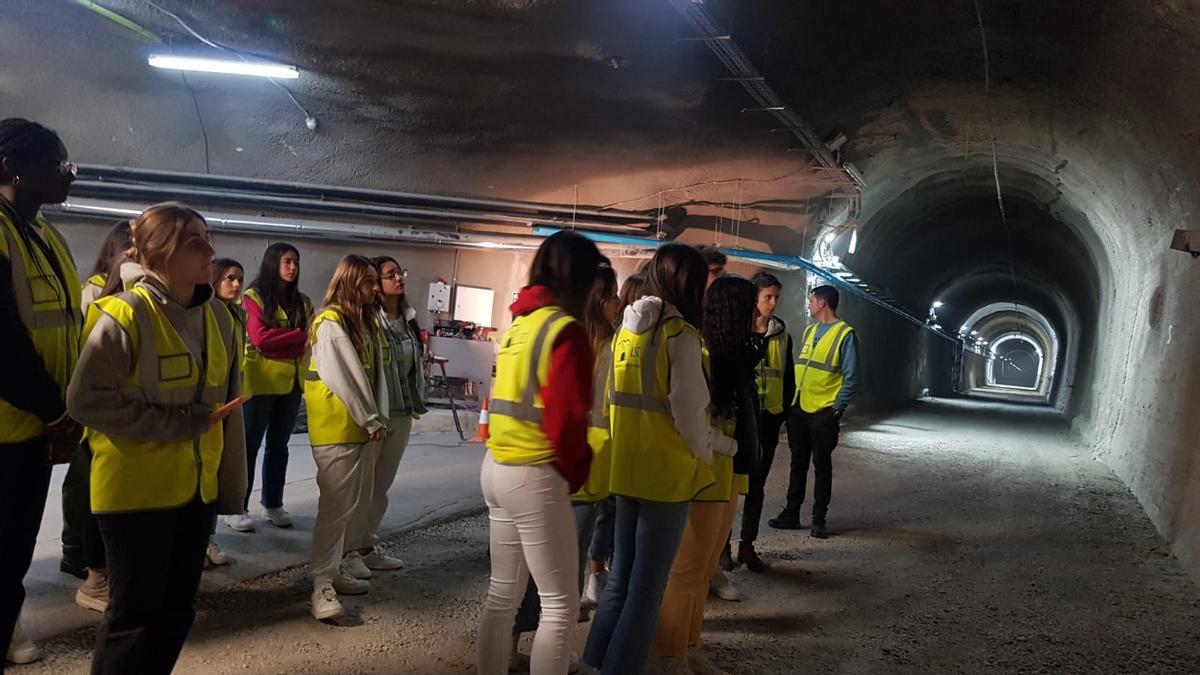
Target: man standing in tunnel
(826, 380)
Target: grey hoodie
(688, 396)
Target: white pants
(345, 475)
(365, 524)
(532, 532)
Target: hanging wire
(308, 118)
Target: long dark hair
(677, 274)
(728, 313)
(378, 262)
(633, 290)
(116, 243)
(273, 291)
(599, 329)
(566, 264)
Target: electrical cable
(200, 119)
(309, 120)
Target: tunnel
(997, 188)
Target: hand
(838, 413)
(378, 435)
(62, 437)
(217, 416)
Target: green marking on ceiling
(121, 21)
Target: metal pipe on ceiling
(153, 193)
(115, 174)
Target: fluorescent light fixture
(224, 66)
(853, 241)
(830, 237)
(938, 304)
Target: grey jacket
(97, 396)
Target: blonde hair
(344, 297)
(158, 232)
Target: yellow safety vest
(329, 421)
(522, 369)
(819, 368)
(263, 376)
(770, 374)
(599, 434)
(97, 280)
(135, 475)
(650, 460)
(49, 308)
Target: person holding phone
(158, 387)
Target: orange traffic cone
(481, 430)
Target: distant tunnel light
(938, 304)
(224, 66)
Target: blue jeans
(646, 536)
(274, 417)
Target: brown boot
(749, 557)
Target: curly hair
(728, 333)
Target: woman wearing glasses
(406, 401)
(39, 338)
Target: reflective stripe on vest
(650, 459)
(135, 475)
(596, 487)
(770, 374)
(267, 376)
(522, 369)
(819, 368)
(49, 311)
(329, 420)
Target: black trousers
(812, 437)
(154, 563)
(768, 434)
(24, 484)
(81, 543)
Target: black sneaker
(819, 530)
(785, 521)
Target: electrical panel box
(439, 297)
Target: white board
(474, 304)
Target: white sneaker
(344, 585)
(215, 555)
(93, 593)
(353, 565)
(325, 603)
(239, 523)
(279, 518)
(21, 649)
(594, 588)
(724, 590)
(384, 563)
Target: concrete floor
(970, 537)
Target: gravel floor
(968, 538)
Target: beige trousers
(345, 478)
(365, 524)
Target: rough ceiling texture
(1093, 108)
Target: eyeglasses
(393, 276)
(67, 168)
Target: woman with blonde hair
(158, 387)
(345, 392)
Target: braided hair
(23, 142)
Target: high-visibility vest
(48, 305)
(599, 434)
(650, 460)
(266, 376)
(136, 475)
(819, 368)
(522, 370)
(722, 467)
(770, 374)
(97, 280)
(329, 420)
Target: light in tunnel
(224, 66)
(853, 241)
(938, 304)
